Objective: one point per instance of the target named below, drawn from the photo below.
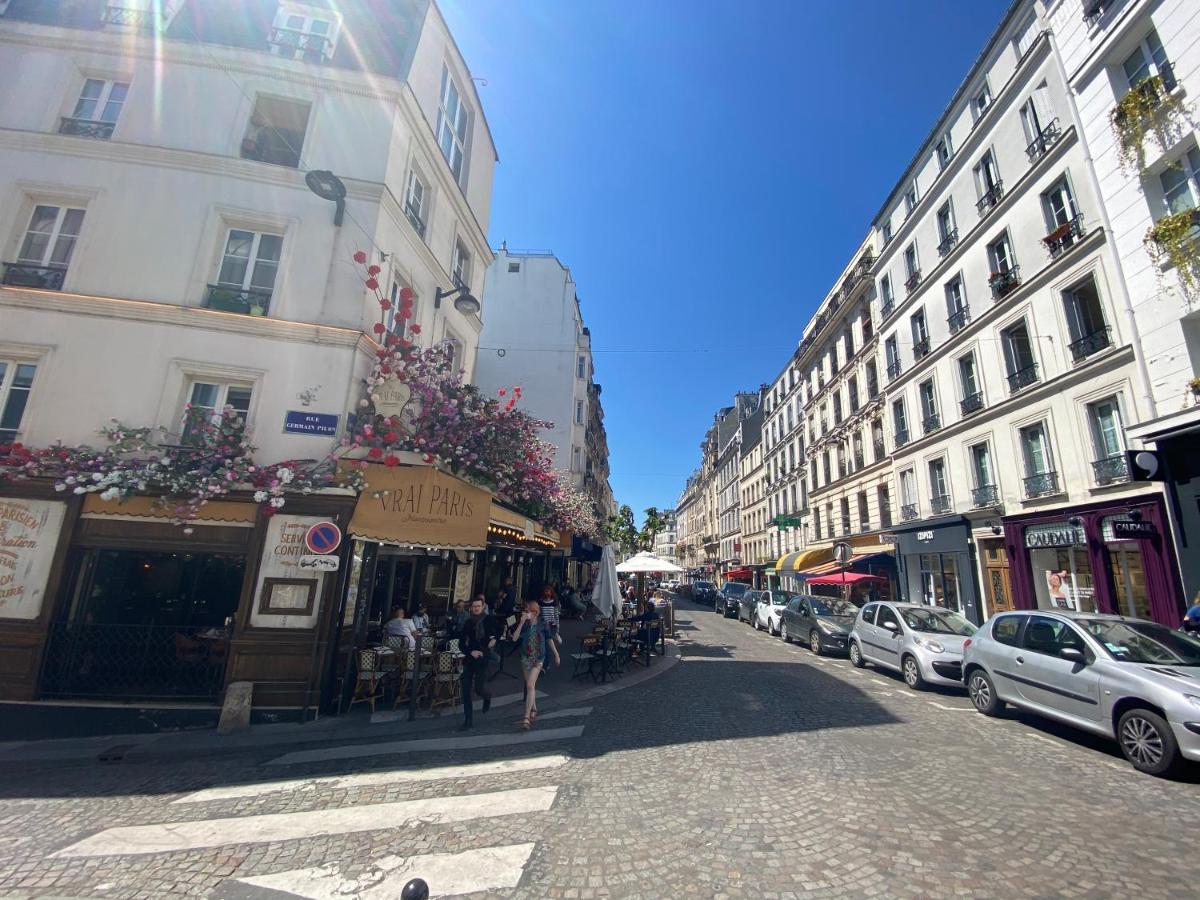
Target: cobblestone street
(751, 768)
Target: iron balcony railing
(127, 16)
(247, 301)
(1022, 378)
(972, 403)
(912, 281)
(1093, 11)
(1041, 484)
(931, 423)
(910, 511)
(893, 370)
(921, 348)
(1090, 344)
(414, 219)
(880, 449)
(1046, 138)
(1064, 236)
(292, 43)
(1111, 469)
(949, 242)
(940, 504)
(47, 278)
(86, 128)
(991, 198)
(1005, 282)
(887, 307)
(872, 388)
(984, 495)
(959, 318)
(901, 438)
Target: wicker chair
(447, 680)
(369, 686)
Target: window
(920, 334)
(1059, 205)
(910, 198)
(1040, 478)
(939, 490)
(908, 487)
(981, 100)
(578, 412)
(943, 151)
(276, 131)
(1027, 35)
(848, 341)
(514, 267)
(576, 455)
(837, 408)
(868, 613)
(1148, 60)
(1005, 629)
(887, 301)
(931, 421)
(247, 274)
(416, 202)
(1000, 255)
(891, 350)
(900, 422)
(208, 401)
(16, 381)
(1085, 320)
(826, 467)
(1050, 636)
(453, 121)
(1104, 421)
(97, 109)
(864, 512)
(947, 232)
(912, 267)
(460, 266)
(887, 232)
(957, 314)
(817, 522)
(884, 496)
(299, 35)
(1019, 361)
(1036, 120)
(47, 247)
(845, 510)
(581, 367)
(859, 459)
(1181, 183)
(872, 379)
(968, 379)
(981, 474)
(852, 387)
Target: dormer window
(303, 33)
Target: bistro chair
(447, 680)
(409, 680)
(369, 686)
(585, 659)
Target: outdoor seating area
(612, 647)
(394, 672)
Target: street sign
(313, 563)
(787, 522)
(1145, 465)
(324, 537)
(842, 553)
(297, 421)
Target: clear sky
(706, 169)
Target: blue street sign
(324, 537)
(319, 424)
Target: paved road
(751, 769)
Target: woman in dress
(535, 642)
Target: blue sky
(706, 169)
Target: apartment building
(783, 455)
(756, 547)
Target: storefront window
(1128, 572)
(939, 581)
(1062, 573)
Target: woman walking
(535, 642)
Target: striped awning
(831, 567)
(792, 563)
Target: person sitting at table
(573, 603)
(421, 619)
(401, 626)
(647, 633)
(459, 618)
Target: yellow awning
(421, 506)
(215, 511)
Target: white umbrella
(605, 593)
(646, 562)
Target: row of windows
(853, 516)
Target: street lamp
(464, 302)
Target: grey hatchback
(822, 622)
(1134, 681)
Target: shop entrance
(998, 585)
(407, 581)
(139, 624)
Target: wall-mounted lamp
(329, 187)
(995, 528)
(1135, 515)
(1074, 521)
(464, 301)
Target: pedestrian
(535, 645)
(508, 600)
(549, 611)
(421, 619)
(1191, 621)
(476, 644)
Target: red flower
(405, 313)
(373, 270)
(372, 284)
(406, 295)
(374, 453)
(416, 329)
(360, 257)
(385, 370)
(428, 457)
(502, 392)
(390, 437)
(392, 340)
(391, 460)
(385, 304)
(378, 328)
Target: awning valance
(843, 578)
(227, 512)
(802, 559)
(421, 506)
(831, 567)
(743, 572)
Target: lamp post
(464, 301)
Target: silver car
(1134, 681)
(922, 643)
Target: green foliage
(1174, 238)
(1148, 109)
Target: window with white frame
(276, 131)
(887, 232)
(206, 405)
(908, 487)
(1085, 319)
(929, 406)
(1000, 255)
(1146, 61)
(1058, 203)
(303, 32)
(944, 151)
(939, 487)
(453, 123)
(1019, 360)
(987, 179)
(1104, 421)
(900, 421)
(910, 198)
(957, 314)
(47, 247)
(1036, 113)
(1181, 183)
(968, 380)
(416, 202)
(981, 100)
(1027, 34)
(891, 350)
(920, 333)
(246, 276)
(981, 465)
(576, 457)
(581, 367)
(886, 298)
(947, 232)
(1035, 451)
(578, 412)
(397, 323)
(460, 266)
(96, 111)
(912, 267)
(16, 382)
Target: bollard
(416, 889)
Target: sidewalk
(556, 690)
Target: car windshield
(703, 584)
(1143, 642)
(783, 598)
(830, 606)
(735, 589)
(937, 621)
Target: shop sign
(925, 536)
(1040, 536)
(1127, 528)
(285, 586)
(421, 506)
(464, 578)
(29, 532)
(297, 421)
(312, 562)
(395, 398)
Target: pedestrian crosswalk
(460, 794)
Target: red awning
(843, 578)
(743, 572)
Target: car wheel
(983, 693)
(912, 673)
(783, 633)
(772, 629)
(1148, 742)
(814, 642)
(856, 657)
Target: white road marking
(880, 681)
(397, 715)
(171, 837)
(370, 779)
(358, 751)
(566, 713)
(950, 708)
(472, 871)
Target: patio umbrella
(641, 563)
(605, 594)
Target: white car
(770, 607)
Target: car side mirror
(890, 626)
(1074, 654)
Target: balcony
(1045, 139)
(910, 511)
(1152, 92)
(972, 403)
(991, 198)
(1005, 282)
(887, 308)
(985, 495)
(940, 505)
(1090, 344)
(949, 242)
(414, 219)
(872, 388)
(89, 128)
(880, 449)
(1064, 237)
(247, 301)
(291, 43)
(1022, 378)
(931, 423)
(1111, 470)
(959, 318)
(893, 370)
(1093, 11)
(46, 278)
(912, 281)
(859, 460)
(921, 348)
(127, 17)
(1041, 485)
(901, 438)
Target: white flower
(80, 490)
(277, 502)
(97, 476)
(189, 530)
(60, 487)
(284, 475)
(111, 494)
(260, 496)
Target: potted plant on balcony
(1194, 384)
(1173, 239)
(1057, 235)
(1149, 108)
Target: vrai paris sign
(393, 397)
(422, 506)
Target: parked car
(923, 643)
(729, 597)
(823, 623)
(747, 605)
(704, 591)
(770, 606)
(1133, 681)
(672, 585)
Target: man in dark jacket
(476, 642)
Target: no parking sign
(324, 537)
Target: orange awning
(215, 511)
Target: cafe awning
(421, 506)
(215, 512)
(802, 559)
(831, 567)
(843, 578)
(743, 572)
